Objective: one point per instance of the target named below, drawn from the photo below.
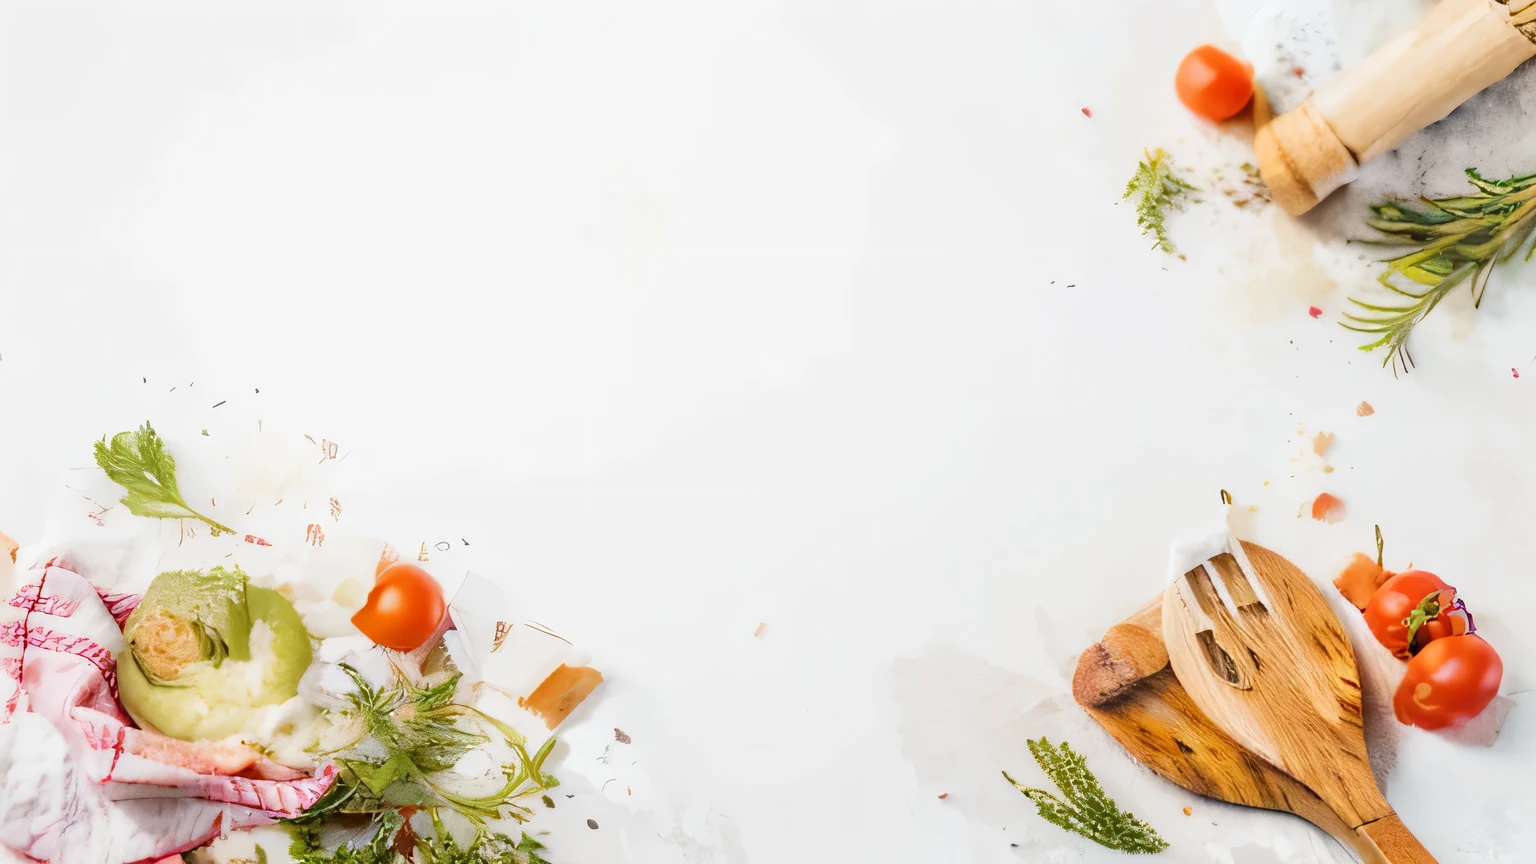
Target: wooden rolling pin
(1455, 51)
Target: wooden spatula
(1261, 654)
(1125, 684)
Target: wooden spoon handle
(1392, 842)
(1457, 49)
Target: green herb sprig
(139, 462)
(420, 728)
(1157, 192)
(1085, 809)
(1459, 240)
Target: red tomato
(403, 609)
(1448, 683)
(1387, 612)
(1213, 83)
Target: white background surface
(690, 316)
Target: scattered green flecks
(1158, 192)
(139, 462)
(1458, 240)
(205, 433)
(261, 854)
(548, 802)
(1085, 809)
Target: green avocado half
(206, 648)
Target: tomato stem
(1427, 610)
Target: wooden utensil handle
(1393, 842)
(1456, 50)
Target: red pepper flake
(945, 795)
(1514, 371)
(256, 541)
(1314, 312)
(1088, 112)
(1298, 71)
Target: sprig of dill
(1085, 809)
(1157, 192)
(1459, 240)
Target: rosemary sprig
(1459, 240)
(1157, 191)
(1086, 810)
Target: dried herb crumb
(621, 736)
(592, 823)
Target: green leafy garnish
(1157, 192)
(486, 849)
(139, 462)
(424, 734)
(1459, 239)
(1086, 810)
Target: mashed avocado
(205, 649)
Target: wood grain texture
(1158, 724)
(1456, 50)
(1394, 843)
(1128, 653)
(1301, 709)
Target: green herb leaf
(1157, 192)
(139, 462)
(1458, 240)
(1085, 810)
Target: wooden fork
(1260, 652)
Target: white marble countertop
(689, 316)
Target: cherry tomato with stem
(404, 608)
(1213, 83)
(1389, 610)
(1448, 683)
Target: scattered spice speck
(1189, 811)
(1314, 312)
(1088, 112)
(945, 795)
(1328, 469)
(1515, 372)
(548, 802)
(592, 823)
(221, 403)
(621, 736)
(1364, 409)
(758, 633)
(205, 433)
(1298, 71)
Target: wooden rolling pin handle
(1391, 842)
(1456, 50)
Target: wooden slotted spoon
(1125, 684)
(1274, 670)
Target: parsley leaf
(139, 462)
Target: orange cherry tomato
(403, 609)
(1448, 683)
(1213, 83)
(1388, 610)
